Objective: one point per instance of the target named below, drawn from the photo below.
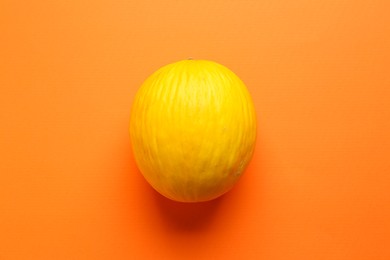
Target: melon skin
(192, 130)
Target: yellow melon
(193, 130)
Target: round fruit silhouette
(193, 130)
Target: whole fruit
(193, 130)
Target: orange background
(318, 186)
